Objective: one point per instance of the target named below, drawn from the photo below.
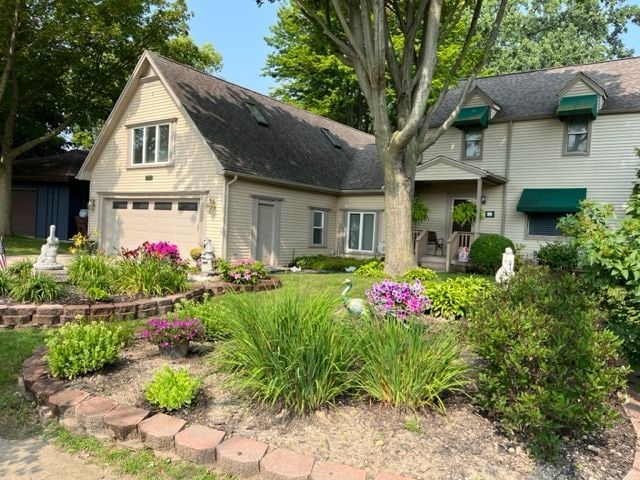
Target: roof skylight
(257, 114)
(331, 137)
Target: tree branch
(10, 51)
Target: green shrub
(548, 370)
(420, 273)
(79, 348)
(326, 263)
(373, 269)
(558, 256)
(149, 275)
(623, 319)
(212, 312)
(92, 274)
(453, 297)
(172, 389)
(36, 288)
(410, 366)
(486, 252)
(287, 349)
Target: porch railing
(420, 243)
(456, 241)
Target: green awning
(472, 116)
(578, 105)
(551, 200)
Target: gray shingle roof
(535, 93)
(291, 148)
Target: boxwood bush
(558, 256)
(486, 252)
(548, 369)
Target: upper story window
(577, 135)
(151, 144)
(472, 142)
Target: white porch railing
(456, 241)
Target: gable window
(360, 231)
(318, 222)
(544, 224)
(472, 142)
(151, 144)
(577, 135)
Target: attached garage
(128, 222)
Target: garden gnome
(49, 253)
(505, 272)
(206, 264)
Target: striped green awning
(551, 200)
(473, 116)
(578, 105)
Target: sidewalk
(37, 459)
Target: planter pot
(178, 350)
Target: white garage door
(130, 222)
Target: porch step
(437, 264)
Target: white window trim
(155, 164)
(323, 227)
(565, 139)
(463, 153)
(348, 233)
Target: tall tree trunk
(399, 171)
(5, 197)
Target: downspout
(225, 220)
(507, 170)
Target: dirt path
(37, 459)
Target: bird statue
(350, 269)
(296, 269)
(356, 306)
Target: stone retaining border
(632, 409)
(51, 315)
(100, 417)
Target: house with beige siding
(185, 157)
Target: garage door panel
(130, 227)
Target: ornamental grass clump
(244, 271)
(400, 300)
(287, 350)
(410, 366)
(213, 313)
(167, 333)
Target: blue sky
(237, 28)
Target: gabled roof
(292, 147)
(61, 167)
(534, 94)
(450, 169)
(584, 78)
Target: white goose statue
(356, 306)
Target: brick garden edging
(47, 315)
(82, 412)
(632, 409)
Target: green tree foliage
(64, 63)
(535, 34)
(551, 33)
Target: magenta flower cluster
(166, 333)
(163, 250)
(244, 271)
(398, 299)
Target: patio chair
(438, 243)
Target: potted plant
(173, 336)
(464, 213)
(419, 210)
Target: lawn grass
(19, 245)
(142, 464)
(17, 416)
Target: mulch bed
(461, 445)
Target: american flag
(3, 256)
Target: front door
(265, 233)
(457, 227)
